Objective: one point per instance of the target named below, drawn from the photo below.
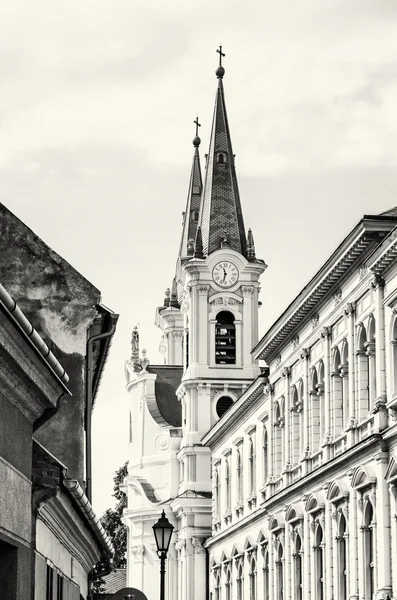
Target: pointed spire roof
(221, 215)
(191, 216)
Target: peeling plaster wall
(60, 304)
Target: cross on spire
(220, 55)
(196, 122)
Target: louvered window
(225, 339)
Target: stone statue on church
(135, 343)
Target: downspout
(90, 344)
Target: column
(270, 453)
(199, 558)
(378, 284)
(351, 417)
(194, 331)
(287, 565)
(326, 336)
(393, 522)
(272, 570)
(304, 356)
(286, 462)
(247, 292)
(383, 531)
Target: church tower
(209, 324)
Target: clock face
(225, 274)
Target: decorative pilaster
(380, 423)
(286, 463)
(383, 545)
(307, 590)
(201, 331)
(353, 541)
(248, 293)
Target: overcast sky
(97, 104)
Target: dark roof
(148, 489)
(165, 408)
(221, 212)
(192, 205)
(115, 581)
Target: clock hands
(224, 275)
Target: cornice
(61, 518)
(355, 245)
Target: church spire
(191, 216)
(221, 213)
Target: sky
(97, 104)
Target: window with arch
(225, 339)
(195, 215)
(217, 491)
(280, 572)
(278, 436)
(342, 557)
(240, 581)
(265, 571)
(265, 455)
(222, 405)
(221, 158)
(365, 355)
(315, 411)
(252, 577)
(297, 556)
(337, 405)
(393, 343)
(239, 464)
(228, 582)
(228, 484)
(320, 393)
(217, 583)
(369, 550)
(319, 562)
(252, 464)
(295, 438)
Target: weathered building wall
(60, 304)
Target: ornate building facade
(209, 324)
(305, 462)
(280, 480)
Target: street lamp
(162, 534)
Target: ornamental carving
(180, 545)
(162, 442)
(163, 344)
(338, 297)
(286, 372)
(295, 341)
(377, 282)
(247, 290)
(350, 309)
(177, 334)
(197, 544)
(203, 289)
(138, 551)
(325, 332)
(278, 360)
(305, 353)
(362, 272)
(315, 320)
(225, 301)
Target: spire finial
(197, 141)
(220, 70)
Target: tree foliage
(112, 520)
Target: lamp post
(162, 534)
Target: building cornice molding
(355, 245)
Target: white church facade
(279, 480)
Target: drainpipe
(88, 443)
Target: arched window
(265, 470)
(217, 492)
(362, 374)
(240, 489)
(295, 427)
(393, 343)
(252, 576)
(227, 485)
(240, 582)
(222, 158)
(314, 420)
(319, 563)
(130, 427)
(252, 464)
(278, 436)
(195, 216)
(369, 554)
(280, 572)
(217, 583)
(342, 557)
(225, 339)
(337, 395)
(228, 583)
(223, 404)
(266, 591)
(298, 568)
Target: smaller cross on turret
(220, 55)
(196, 122)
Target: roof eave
(108, 318)
(323, 281)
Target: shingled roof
(115, 581)
(165, 408)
